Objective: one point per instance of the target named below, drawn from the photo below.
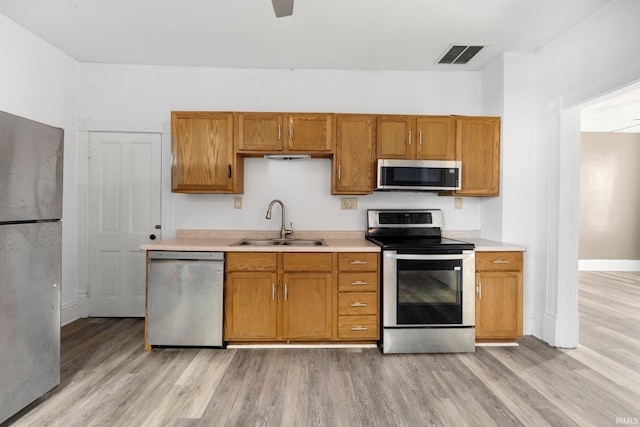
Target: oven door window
(429, 292)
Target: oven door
(428, 290)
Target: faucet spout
(283, 230)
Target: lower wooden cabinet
(278, 296)
(358, 296)
(499, 291)
(250, 306)
(293, 296)
(306, 307)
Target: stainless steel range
(428, 300)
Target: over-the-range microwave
(418, 175)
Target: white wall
(142, 97)
(38, 82)
(508, 90)
(595, 57)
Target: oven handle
(429, 257)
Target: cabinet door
(394, 137)
(498, 305)
(250, 306)
(353, 161)
(259, 132)
(306, 309)
(436, 138)
(203, 153)
(310, 132)
(478, 139)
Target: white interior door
(124, 211)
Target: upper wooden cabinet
(353, 161)
(415, 137)
(203, 158)
(436, 138)
(478, 141)
(310, 132)
(259, 133)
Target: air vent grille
(459, 54)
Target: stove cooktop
(400, 242)
(410, 229)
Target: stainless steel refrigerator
(30, 260)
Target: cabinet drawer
(499, 261)
(358, 327)
(357, 303)
(251, 261)
(358, 282)
(307, 261)
(358, 261)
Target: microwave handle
(419, 257)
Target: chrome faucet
(283, 231)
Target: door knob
(152, 237)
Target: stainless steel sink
(277, 242)
(301, 242)
(256, 242)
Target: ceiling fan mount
(282, 7)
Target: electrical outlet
(457, 203)
(349, 203)
(237, 203)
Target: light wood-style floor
(108, 380)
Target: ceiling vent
(459, 54)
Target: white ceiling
(321, 34)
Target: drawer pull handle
(479, 290)
(358, 304)
(501, 261)
(359, 328)
(359, 282)
(358, 262)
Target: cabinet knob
(152, 237)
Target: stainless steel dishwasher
(184, 298)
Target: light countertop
(222, 240)
(485, 245)
(336, 241)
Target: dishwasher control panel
(186, 255)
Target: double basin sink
(279, 242)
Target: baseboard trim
(497, 344)
(69, 313)
(327, 345)
(609, 265)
